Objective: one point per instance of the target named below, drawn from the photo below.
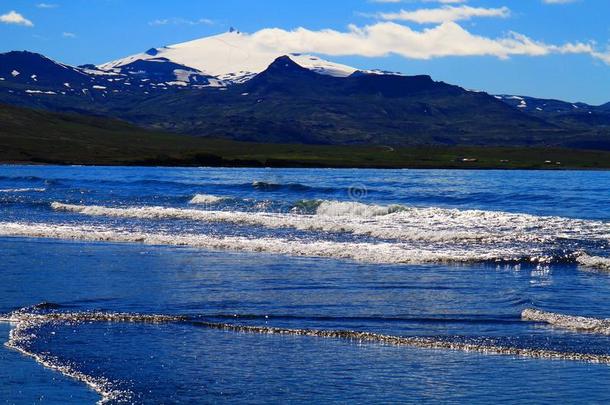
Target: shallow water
(451, 257)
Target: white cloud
(181, 21)
(68, 35)
(13, 17)
(386, 38)
(46, 5)
(444, 14)
(603, 56)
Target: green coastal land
(31, 136)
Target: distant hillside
(32, 136)
(37, 136)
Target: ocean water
(199, 285)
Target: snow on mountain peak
(232, 56)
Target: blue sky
(543, 48)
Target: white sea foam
(599, 262)
(404, 223)
(21, 337)
(23, 334)
(578, 323)
(27, 323)
(207, 199)
(378, 252)
(419, 342)
(386, 228)
(349, 208)
(22, 190)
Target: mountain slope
(568, 115)
(205, 88)
(43, 137)
(35, 69)
(232, 57)
(288, 103)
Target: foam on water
(417, 342)
(387, 229)
(577, 323)
(287, 219)
(23, 190)
(349, 208)
(599, 262)
(21, 337)
(378, 252)
(27, 321)
(407, 224)
(206, 199)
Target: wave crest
(24, 190)
(434, 225)
(599, 262)
(207, 199)
(577, 323)
(350, 208)
(371, 252)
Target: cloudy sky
(544, 48)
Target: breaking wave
(390, 222)
(401, 234)
(341, 208)
(577, 323)
(384, 229)
(207, 199)
(599, 262)
(23, 190)
(378, 252)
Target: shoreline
(311, 166)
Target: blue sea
(206, 285)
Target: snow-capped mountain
(229, 86)
(214, 62)
(228, 58)
(34, 75)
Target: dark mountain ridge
(289, 103)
